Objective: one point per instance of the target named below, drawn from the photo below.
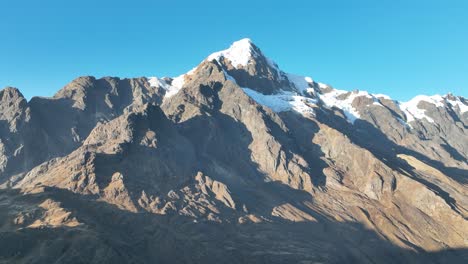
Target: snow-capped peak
(246, 57)
(301, 93)
(239, 53)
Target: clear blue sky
(400, 48)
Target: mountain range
(235, 161)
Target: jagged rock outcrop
(45, 128)
(246, 63)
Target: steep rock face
(137, 162)
(229, 127)
(108, 96)
(364, 187)
(139, 151)
(430, 128)
(15, 121)
(389, 199)
(439, 135)
(45, 128)
(13, 109)
(76, 109)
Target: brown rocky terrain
(233, 162)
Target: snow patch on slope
(229, 77)
(301, 83)
(281, 102)
(171, 89)
(413, 112)
(457, 102)
(332, 99)
(383, 96)
(284, 101)
(158, 82)
(173, 86)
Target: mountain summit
(246, 63)
(235, 161)
(240, 53)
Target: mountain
(235, 161)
